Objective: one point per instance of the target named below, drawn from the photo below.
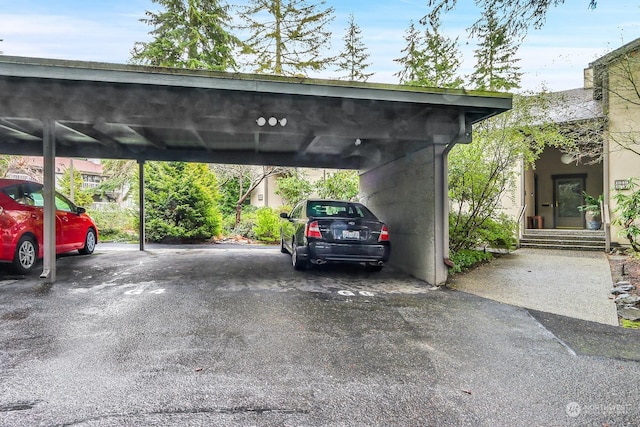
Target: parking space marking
(353, 294)
(143, 290)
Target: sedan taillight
(384, 234)
(313, 230)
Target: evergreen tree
(353, 57)
(287, 37)
(413, 60)
(442, 58)
(496, 67)
(432, 59)
(121, 179)
(81, 197)
(4, 165)
(189, 34)
(181, 200)
(518, 15)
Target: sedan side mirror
(284, 215)
(80, 210)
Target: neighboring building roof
(601, 64)
(613, 55)
(575, 104)
(63, 163)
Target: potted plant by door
(592, 211)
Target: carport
(398, 137)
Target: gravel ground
(625, 267)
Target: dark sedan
(320, 231)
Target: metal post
(141, 203)
(49, 235)
(71, 181)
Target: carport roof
(149, 113)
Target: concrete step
(563, 232)
(584, 240)
(574, 247)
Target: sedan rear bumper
(346, 252)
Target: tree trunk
(238, 213)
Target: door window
(62, 204)
(568, 197)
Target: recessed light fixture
(261, 121)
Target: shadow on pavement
(592, 338)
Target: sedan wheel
(26, 255)
(89, 243)
(298, 264)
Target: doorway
(567, 197)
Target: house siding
(623, 108)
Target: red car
(21, 225)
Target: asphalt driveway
(227, 335)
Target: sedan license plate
(350, 234)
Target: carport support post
(141, 203)
(408, 194)
(49, 236)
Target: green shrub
(115, 223)
(498, 232)
(628, 211)
(340, 185)
(181, 202)
(244, 229)
(267, 225)
(465, 259)
(632, 324)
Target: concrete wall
(408, 195)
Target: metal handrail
(606, 221)
(520, 221)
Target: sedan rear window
(321, 209)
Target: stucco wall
(265, 193)
(547, 166)
(407, 195)
(624, 129)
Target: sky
(553, 57)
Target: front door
(567, 196)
